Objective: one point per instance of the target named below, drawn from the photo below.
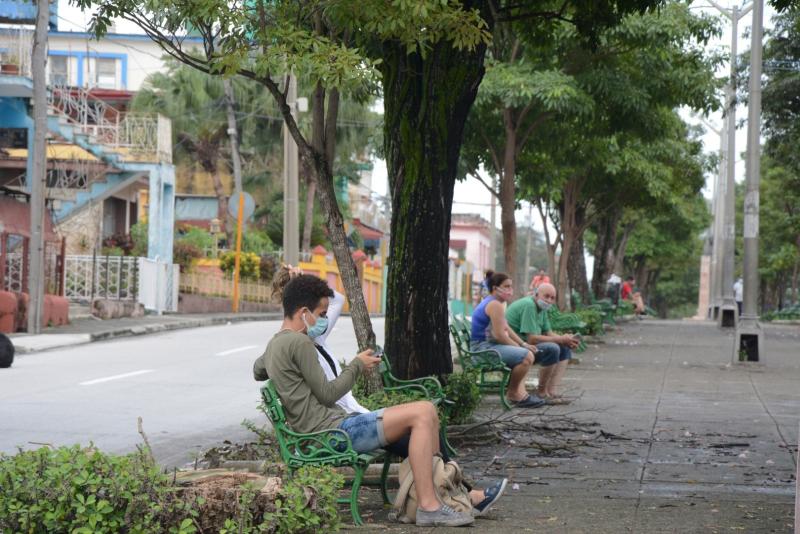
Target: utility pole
(728, 311)
(749, 337)
(492, 226)
(237, 178)
(715, 285)
(291, 218)
(39, 169)
(523, 287)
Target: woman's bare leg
(516, 385)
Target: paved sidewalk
(89, 329)
(691, 444)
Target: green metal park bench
(487, 362)
(330, 447)
(430, 388)
(566, 322)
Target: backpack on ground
(448, 482)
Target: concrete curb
(30, 344)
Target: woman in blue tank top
(491, 332)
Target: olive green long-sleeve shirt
(308, 398)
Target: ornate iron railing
(135, 132)
(107, 277)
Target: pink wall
(477, 239)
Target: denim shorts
(511, 355)
(365, 430)
(549, 353)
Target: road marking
(115, 377)
(233, 351)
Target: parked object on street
(6, 352)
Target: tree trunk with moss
(427, 100)
(576, 269)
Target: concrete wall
(188, 303)
(83, 230)
(136, 56)
(477, 252)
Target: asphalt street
(192, 388)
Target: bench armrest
(429, 384)
(330, 445)
(487, 359)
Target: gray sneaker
(443, 517)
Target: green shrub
(139, 239)
(184, 254)
(82, 490)
(249, 264)
(383, 398)
(256, 241)
(197, 237)
(307, 503)
(593, 320)
(462, 389)
(112, 251)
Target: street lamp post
(715, 284)
(749, 336)
(728, 311)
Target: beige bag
(448, 482)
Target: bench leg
(446, 443)
(503, 388)
(359, 474)
(384, 479)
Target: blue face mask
(544, 306)
(319, 328)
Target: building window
(106, 73)
(59, 70)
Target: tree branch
(534, 124)
(493, 151)
(487, 186)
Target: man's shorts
(365, 430)
(511, 355)
(549, 353)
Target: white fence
(153, 283)
(100, 277)
(159, 285)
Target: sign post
(245, 206)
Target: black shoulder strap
(327, 359)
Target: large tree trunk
(550, 247)
(423, 132)
(603, 251)
(577, 270)
(308, 218)
(619, 252)
(570, 231)
(508, 199)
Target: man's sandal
(531, 401)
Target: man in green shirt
(528, 317)
(309, 399)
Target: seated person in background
(629, 293)
(528, 318)
(491, 332)
(309, 400)
(538, 280)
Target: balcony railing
(139, 135)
